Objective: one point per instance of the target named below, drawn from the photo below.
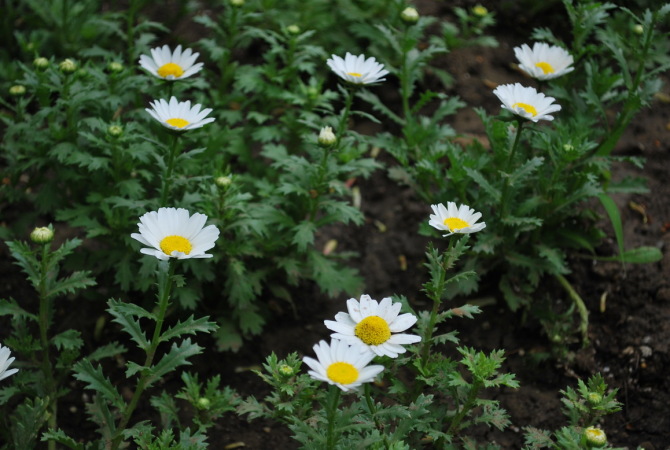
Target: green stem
(163, 302)
(167, 177)
(333, 403)
(581, 307)
(344, 119)
(469, 403)
(47, 368)
(405, 80)
(510, 159)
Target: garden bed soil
(629, 329)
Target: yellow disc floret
(546, 67)
(354, 74)
(526, 107)
(373, 330)
(178, 243)
(342, 372)
(170, 69)
(177, 122)
(454, 223)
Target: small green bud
(203, 403)
(41, 63)
(286, 370)
(595, 437)
(17, 90)
(638, 29)
(326, 137)
(67, 66)
(293, 29)
(115, 67)
(81, 73)
(223, 182)
(312, 92)
(30, 47)
(42, 235)
(409, 15)
(237, 3)
(115, 130)
(568, 148)
(480, 11)
(594, 398)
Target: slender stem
(510, 158)
(469, 403)
(405, 79)
(47, 368)
(333, 403)
(163, 302)
(344, 119)
(167, 177)
(581, 307)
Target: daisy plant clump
(170, 235)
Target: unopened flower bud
(204, 403)
(285, 369)
(595, 437)
(42, 235)
(115, 67)
(17, 90)
(480, 11)
(41, 63)
(409, 15)
(223, 182)
(237, 2)
(293, 29)
(312, 92)
(326, 137)
(638, 29)
(115, 130)
(67, 66)
(594, 398)
(568, 148)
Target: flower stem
(344, 118)
(581, 307)
(165, 288)
(47, 368)
(167, 177)
(331, 409)
(469, 403)
(510, 158)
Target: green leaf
(11, 308)
(177, 356)
(640, 255)
(106, 351)
(123, 315)
(304, 235)
(96, 380)
(60, 437)
(615, 218)
(189, 326)
(68, 340)
(78, 280)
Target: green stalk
(505, 191)
(167, 177)
(469, 403)
(581, 307)
(47, 368)
(331, 409)
(341, 127)
(163, 303)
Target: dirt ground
(629, 331)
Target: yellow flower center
(546, 67)
(342, 372)
(373, 330)
(179, 243)
(170, 69)
(455, 224)
(177, 122)
(354, 74)
(526, 107)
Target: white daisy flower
(172, 233)
(375, 327)
(169, 65)
(178, 115)
(544, 61)
(357, 69)
(5, 362)
(343, 365)
(526, 102)
(455, 219)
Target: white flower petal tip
(5, 362)
(173, 233)
(179, 116)
(168, 65)
(455, 219)
(372, 325)
(526, 102)
(342, 365)
(357, 69)
(544, 61)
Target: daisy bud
(67, 66)
(286, 370)
(293, 29)
(203, 403)
(595, 437)
(638, 29)
(41, 63)
(17, 90)
(409, 15)
(115, 67)
(223, 182)
(326, 137)
(480, 11)
(312, 92)
(42, 235)
(115, 130)
(237, 3)
(594, 398)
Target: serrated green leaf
(189, 326)
(106, 351)
(123, 315)
(60, 437)
(68, 340)
(96, 380)
(304, 234)
(177, 356)
(11, 308)
(78, 280)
